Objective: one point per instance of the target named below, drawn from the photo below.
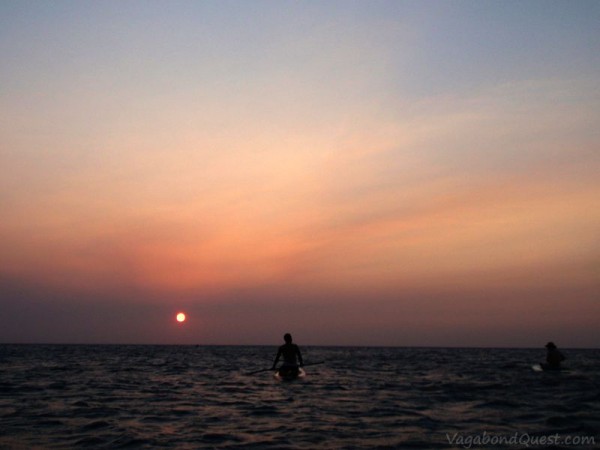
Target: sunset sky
(411, 173)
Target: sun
(180, 317)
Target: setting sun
(181, 317)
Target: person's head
(287, 337)
(550, 346)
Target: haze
(355, 173)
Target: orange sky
(349, 183)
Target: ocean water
(194, 397)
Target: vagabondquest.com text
(521, 439)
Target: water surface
(192, 397)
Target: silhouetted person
(553, 356)
(292, 358)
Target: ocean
(196, 397)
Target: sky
(398, 173)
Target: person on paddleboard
(292, 358)
(553, 356)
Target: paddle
(259, 371)
(269, 369)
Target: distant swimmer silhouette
(553, 357)
(292, 358)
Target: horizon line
(302, 345)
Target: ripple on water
(194, 397)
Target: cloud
(308, 166)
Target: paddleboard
(301, 374)
(546, 368)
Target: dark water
(200, 397)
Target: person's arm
(276, 358)
(299, 355)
